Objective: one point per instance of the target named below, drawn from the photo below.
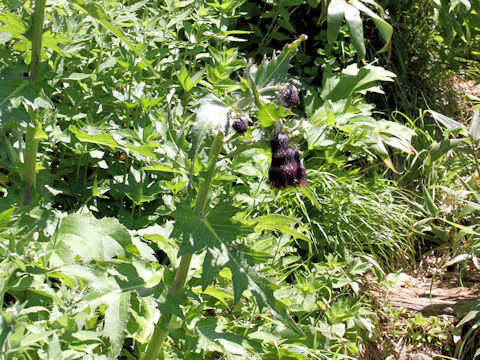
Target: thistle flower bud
(240, 124)
(291, 96)
(279, 145)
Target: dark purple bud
(279, 145)
(291, 96)
(287, 171)
(240, 124)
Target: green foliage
(148, 205)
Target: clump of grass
(367, 217)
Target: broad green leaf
(91, 239)
(232, 344)
(354, 22)
(335, 16)
(267, 114)
(108, 140)
(385, 29)
(354, 80)
(219, 294)
(4, 37)
(101, 139)
(116, 318)
(443, 147)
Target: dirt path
(419, 312)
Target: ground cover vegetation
(233, 179)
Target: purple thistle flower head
(287, 171)
(240, 124)
(279, 145)
(291, 96)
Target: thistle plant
(197, 226)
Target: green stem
(29, 164)
(31, 138)
(37, 32)
(161, 328)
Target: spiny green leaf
(271, 71)
(213, 229)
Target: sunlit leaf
(336, 12)
(354, 22)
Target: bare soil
(434, 294)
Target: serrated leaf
(216, 227)
(215, 259)
(243, 277)
(271, 71)
(116, 319)
(335, 14)
(354, 22)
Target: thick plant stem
(37, 32)
(32, 138)
(161, 328)
(29, 163)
